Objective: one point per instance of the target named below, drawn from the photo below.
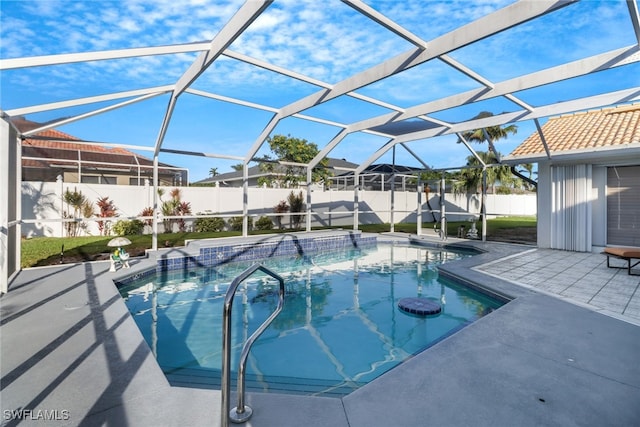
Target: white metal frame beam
(621, 96)
(542, 138)
(597, 101)
(477, 30)
(494, 23)
(159, 90)
(91, 113)
(247, 13)
(381, 19)
(635, 17)
(605, 61)
(70, 58)
(471, 150)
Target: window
(90, 179)
(623, 206)
(98, 179)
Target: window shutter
(623, 206)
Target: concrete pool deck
(563, 352)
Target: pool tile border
(281, 245)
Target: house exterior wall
(43, 204)
(544, 206)
(72, 177)
(599, 208)
(595, 187)
(570, 207)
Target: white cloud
(269, 20)
(327, 40)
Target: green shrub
(264, 223)
(128, 228)
(235, 223)
(204, 225)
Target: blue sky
(325, 40)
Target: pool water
(340, 327)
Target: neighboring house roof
(603, 132)
(253, 171)
(52, 148)
(341, 164)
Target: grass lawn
(56, 250)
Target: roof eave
(591, 155)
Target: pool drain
(419, 306)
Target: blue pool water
(340, 327)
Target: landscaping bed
(43, 251)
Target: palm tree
(213, 172)
(527, 181)
(470, 179)
(494, 132)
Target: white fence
(43, 204)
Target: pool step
(210, 379)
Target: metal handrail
(242, 412)
(442, 230)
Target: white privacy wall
(43, 202)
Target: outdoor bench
(627, 254)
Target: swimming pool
(340, 327)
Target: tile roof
(58, 140)
(609, 127)
(52, 147)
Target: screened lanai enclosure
(380, 79)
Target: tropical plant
(175, 207)
(184, 208)
(106, 209)
(87, 210)
(148, 211)
(213, 172)
(296, 204)
(280, 208)
(76, 200)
